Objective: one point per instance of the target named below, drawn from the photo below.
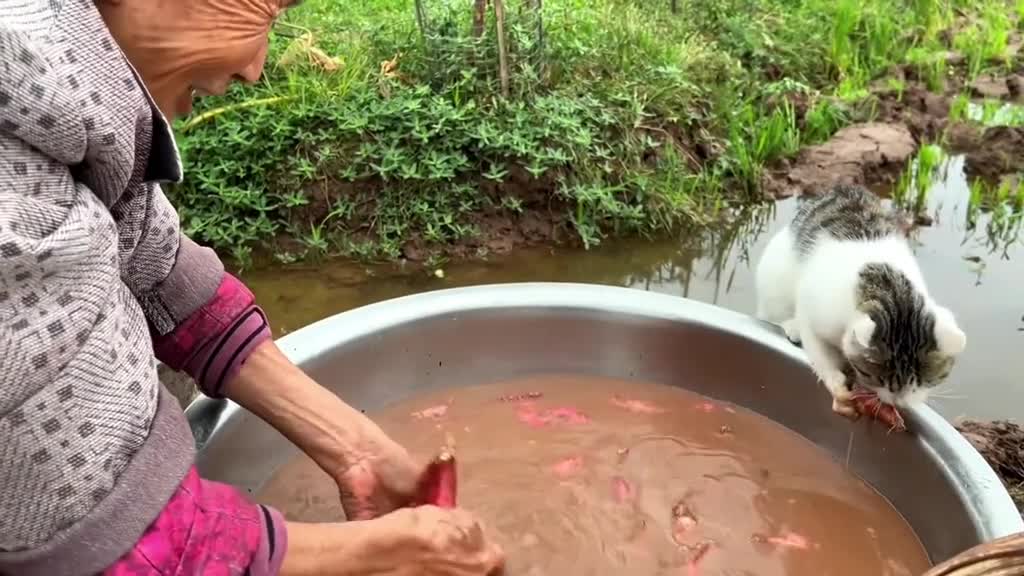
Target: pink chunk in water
(567, 467)
(790, 540)
(623, 490)
(683, 521)
(529, 414)
(636, 406)
(432, 413)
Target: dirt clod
(990, 87)
(1015, 84)
(998, 152)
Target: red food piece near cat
(869, 403)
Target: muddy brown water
(978, 271)
(598, 477)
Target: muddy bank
(1002, 444)
(875, 154)
(871, 154)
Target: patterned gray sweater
(91, 261)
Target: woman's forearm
(269, 385)
(330, 549)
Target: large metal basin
(381, 353)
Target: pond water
(976, 270)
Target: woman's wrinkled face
(183, 48)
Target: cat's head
(900, 344)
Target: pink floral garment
(208, 529)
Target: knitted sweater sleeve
(203, 321)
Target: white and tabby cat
(843, 282)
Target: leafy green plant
(911, 191)
(822, 120)
(371, 129)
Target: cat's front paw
(835, 382)
(842, 396)
(845, 408)
(792, 330)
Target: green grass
(370, 130)
(984, 42)
(924, 169)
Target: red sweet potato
(439, 483)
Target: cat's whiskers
(947, 396)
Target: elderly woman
(96, 459)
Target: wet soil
(589, 476)
(1002, 444)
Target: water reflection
(996, 113)
(971, 260)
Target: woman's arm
(375, 474)
(276, 390)
(424, 541)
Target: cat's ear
(949, 338)
(862, 329)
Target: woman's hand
(423, 541)
(430, 541)
(379, 475)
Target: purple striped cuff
(220, 359)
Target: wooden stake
(499, 18)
